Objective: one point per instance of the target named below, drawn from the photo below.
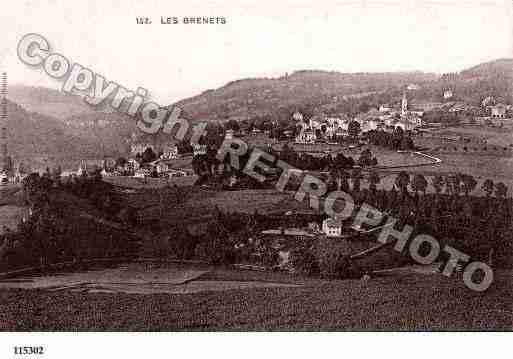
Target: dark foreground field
(399, 302)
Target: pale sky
(260, 39)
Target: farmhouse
(448, 94)
(332, 227)
(498, 111)
(169, 152)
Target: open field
(140, 183)
(481, 167)
(408, 301)
(246, 201)
(200, 204)
(493, 135)
(498, 169)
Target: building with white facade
(169, 152)
(229, 134)
(332, 227)
(448, 94)
(198, 149)
(498, 111)
(385, 108)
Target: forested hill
(36, 139)
(302, 89)
(333, 91)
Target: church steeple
(404, 104)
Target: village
(312, 134)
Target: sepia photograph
(254, 167)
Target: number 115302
(28, 350)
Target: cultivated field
(493, 135)
(407, 301)
(246, 201)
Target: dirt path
(135, 278)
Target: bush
(333, 258)
(303, 260)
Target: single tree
(419, 184)
(356, 176)
(354, 129)
(373, 181)
(401, 182)
(148, 155)
(501, 190)
(437, 182)
(488, 187)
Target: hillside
(302, 89)
(40, 140)
(494, 78)
(500, 67)
(332, 91)
(48, 102)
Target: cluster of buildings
(385, 118)
(9, 173)
(162, 166)
(408, 116)
(168, 151)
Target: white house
(198, 149)
(385, 108)
(447, 94)
(176, 173)
(498, 111)
(4, 179)
(229, 134)
(340, 132)
(142, 173)
(297, 116)
(368, 125)
(169, 152)
(332, 227)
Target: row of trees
(209, 168)
(478, 226)
(397, 140)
